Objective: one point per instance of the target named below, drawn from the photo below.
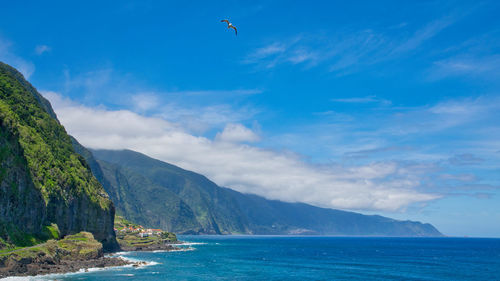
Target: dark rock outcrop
(73, 253)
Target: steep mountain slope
(42, 179)
(145, 188)
(178, 203)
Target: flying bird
(230, 25)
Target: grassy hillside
(78, 246)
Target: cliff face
(43, 180)
(22, 208)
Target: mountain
(44, 184)
(155, 193)
(275, 217)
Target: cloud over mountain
(247, 168)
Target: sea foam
(52, 276)
(192, 243)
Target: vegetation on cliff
(42, 179)
(80, 246)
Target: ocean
(310, 258)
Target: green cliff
(42, 180)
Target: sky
(378, 107)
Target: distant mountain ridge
(152, 192)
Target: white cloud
(465, 159)
(424, 34)
(145, 101)
(459, 177)
(476, 57)
(345, 51)
(230, 93)
(487, 66)
(467, 127)
(367, 99)
(266, 51)
(110, 123)
(237, 133)
(40, 49)
(91, 81)
(8, 56)
(199, 118)
(246, 168)
(294, 51)
(207, 110)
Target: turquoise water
(313, 258)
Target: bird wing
(226, 21)
(235, 30)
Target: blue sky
(384, 107)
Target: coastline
(275, 258)
(23, 269)
(109, 261)
(41, 263)
(151, 248)
(129, 263)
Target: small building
(156, 231)
(143, 234)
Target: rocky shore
(133, 242)
(71, 254)
(151, 247)
(47, 265)
(74, 253)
